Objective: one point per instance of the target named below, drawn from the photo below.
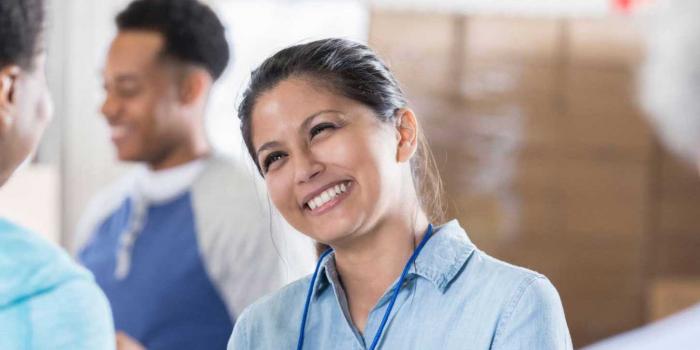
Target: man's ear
(8, 82)
(8, 77)
(407, 134)
(194, 85)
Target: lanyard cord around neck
(395, 294)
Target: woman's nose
(306, 167)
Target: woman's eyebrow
(309, 119)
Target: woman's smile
(327, 197)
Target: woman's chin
(330, 238)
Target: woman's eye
(320, 128)
(271, 158)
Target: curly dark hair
(21, 26)
(193, 33)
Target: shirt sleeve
(73, 316)
(534, 319)
(239, 338)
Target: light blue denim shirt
(454, 297)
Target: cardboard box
(612, 42)
(605, 197)
(601, 113)
(675, 254)
(503, 39)
(418, 48)
(485, 80)
(671, 295)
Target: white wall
(79, 32)
(30, 199)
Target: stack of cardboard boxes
(547, 159)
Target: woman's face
(329, 163)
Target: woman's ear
(407, 134)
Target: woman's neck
(372, 262)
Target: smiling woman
(340, 151)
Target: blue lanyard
(300, 342)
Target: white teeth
(326, 196)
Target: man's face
(27, 104)
(141, 98)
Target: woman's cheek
(344, 150)
(281, 192)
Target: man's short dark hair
(21, 26)
(193, 33)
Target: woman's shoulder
(276, 306)
(503, 271)
(271, 317)
(488, 279)
(479, 269)
(522, 294)
(525, 305)
(530, 311)
(509, 280)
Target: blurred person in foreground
(46, 300)
(185, 242)
(670, 93)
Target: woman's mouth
(328, 198)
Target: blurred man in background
(46, 300)
(670, 93)
(182, 245)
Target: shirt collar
(163, 185)
(327, 274)
(444, 255)
(440, 262)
